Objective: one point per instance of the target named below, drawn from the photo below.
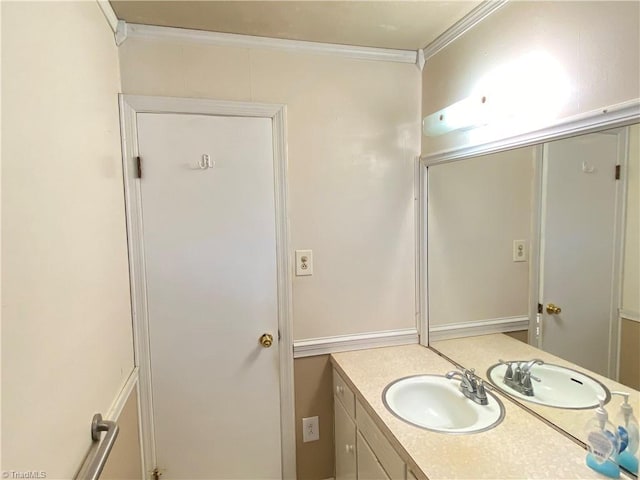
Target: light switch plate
(304, 262)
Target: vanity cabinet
(345, 441)
(362, 452)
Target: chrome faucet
(471, 385)
(519, 378)
(529, 365)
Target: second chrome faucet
(519, 378)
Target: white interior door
(210, 252)
(578, 243)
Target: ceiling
(388, 24)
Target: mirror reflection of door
(580, 243)
(479, 209)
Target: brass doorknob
(553, 309)
(266, 340)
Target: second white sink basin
(559, 387)
(436, 403)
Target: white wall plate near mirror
(533, 253)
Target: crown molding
(109, 14)
(466, 23)
(136, 30)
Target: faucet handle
(532, 377)
(526, 382)
(518, 372)
(509, 373)
(481, 393)
(472, 378)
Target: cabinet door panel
(383, 450)
(342, 391)
(345, 437)
(368, 466)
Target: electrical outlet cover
(310, 429)
(304, 262)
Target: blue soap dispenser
(629, 435)
(603, 443)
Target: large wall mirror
(540, 245)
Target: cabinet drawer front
(368, 466)
(344, 394)
(345, 439)
(390, 460)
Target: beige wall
(476, 209)
(66, 333)
(353, 134)
(631, 269)
(594, 44)
(314, 397)
(522, 335)
(630, 353)
(124, 461)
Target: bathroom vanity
(372, 443)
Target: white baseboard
(480, 327)
(342, 343)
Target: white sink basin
(559, 387)
(435, 403)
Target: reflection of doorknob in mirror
(553, 309)
(266, 340)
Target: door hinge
(138, 167)
(539, 308)
(278, 334)
(156, 474)
(617, 172)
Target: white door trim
(618, 260)
(535, 253)
(422, 252)
(130, 106)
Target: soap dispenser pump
(603, 443)
(629, 435)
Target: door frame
(130, 106)
(537, 280)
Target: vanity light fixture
(468, 113)
(526, 93)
